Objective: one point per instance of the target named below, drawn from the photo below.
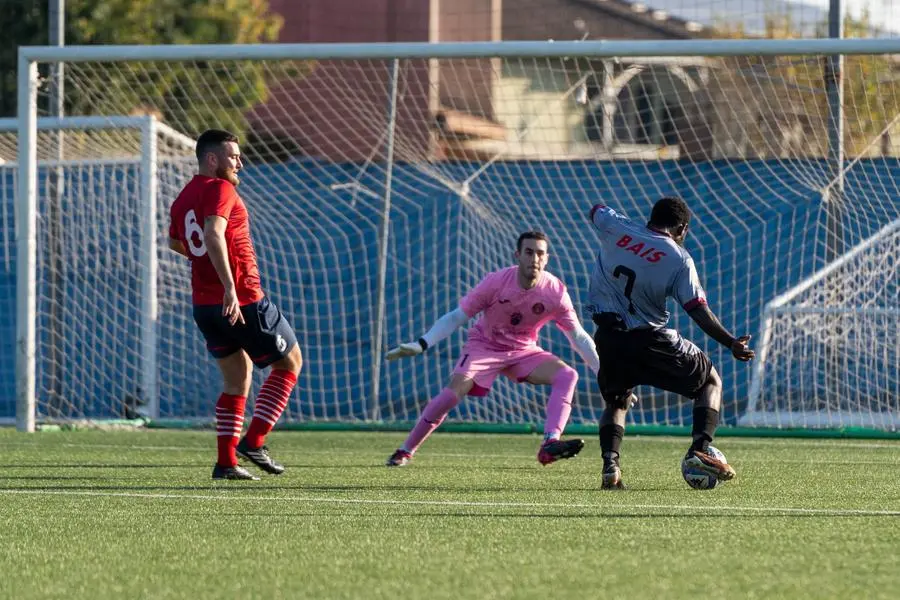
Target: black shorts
(657, 357)
(266, 335)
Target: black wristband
(424, 344)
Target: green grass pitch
(135, 515)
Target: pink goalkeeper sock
(560, 404)
(432, 417)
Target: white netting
(89, 270)
(831, 355)
(483, 149)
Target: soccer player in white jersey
(637, 269)
(514, 303)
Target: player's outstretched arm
(441, 329)
(712, 327)
(583, 344)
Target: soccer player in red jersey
(211, 227)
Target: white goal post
(144, 157)
(847, 330)
(517, 135)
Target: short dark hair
(531, 235)
(211, 139)
(670, 211)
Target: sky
(806, 13)
(883, 11)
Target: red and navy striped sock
(229, 421)
(271, 401)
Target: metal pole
(834, 85)
(834, 202)
(26, 245)
(149, 266)
(502, 49)
(57, 30)
(608, 99)
(384, 231)
(56, 190)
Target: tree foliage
(788, 94)
(190, 95)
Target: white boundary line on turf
(826, 512)
(832, 443)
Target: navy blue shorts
(266, 336)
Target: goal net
(829, 355)
(99, 217)
(452, 157)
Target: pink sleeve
(479, 297)
(565, 318)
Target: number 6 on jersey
(192, 232)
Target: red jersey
(209, 196)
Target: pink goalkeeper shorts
(482, 365)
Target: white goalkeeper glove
(407, 349)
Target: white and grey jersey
(637, 269)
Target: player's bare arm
(178, 246)
(214, 238)
(441, 329)
(712, 327)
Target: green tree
(24, 24)
(790, 88)
(189, 95)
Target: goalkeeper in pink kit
(514, 303)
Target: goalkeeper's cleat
(554, 450)
(259, 457)
(400, 458)
(235, 472)
(713, 466)
(612, 476)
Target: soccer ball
(698, 479)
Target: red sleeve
(173, 233)
(218, 200)
(692, 304)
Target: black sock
(706, 420)
(611, 440)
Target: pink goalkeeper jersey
(512, 317)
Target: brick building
(476, 108)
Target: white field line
(525, 459)
(726, 442)
(465, 503)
